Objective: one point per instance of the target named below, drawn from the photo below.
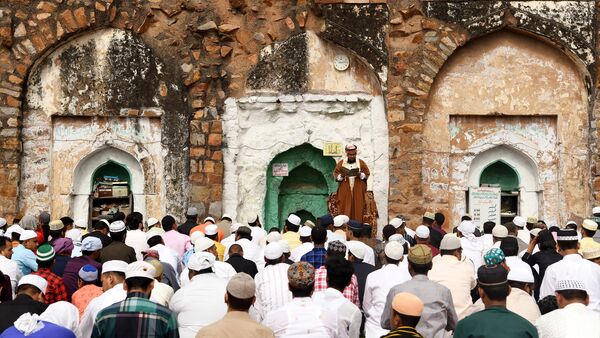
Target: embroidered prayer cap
(570, 284)
(397, 238)
(140, 269)
(45, 252)
(336, 246)
(91, 243)
(273, 251)
(301, 274)
(566, 235)
(407, 304)
(211, 229)
(34, 280)
(117, 226)
(419, 254)
(492, 275)
(589, 225)
(88, 273)
(499, 231)
(519, 221)
(114, 266)
(422, 231)
(450, 242)
(340, 220)
(273, 237)
(394, 250)
(326, 220)
(241, 286)
(285, 246)
(429, 215)
(293, 219)
(201, 260)
(56, 225)
(494, 256)
(591, 252)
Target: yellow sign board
(333, 149)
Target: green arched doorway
(304, 190)
(506, 177)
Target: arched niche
(309, 182)
(501, 174)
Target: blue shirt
(49, 330)
(316, 257)
(25, 259)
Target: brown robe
(352, 202)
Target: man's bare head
(236, 249)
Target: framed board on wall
(484, 205)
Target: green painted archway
(500, 173)
(305, 190)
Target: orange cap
(407, 304)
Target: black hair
(191, 217)
(366, 231)
(571, 226)
(420, 269)
(488, 227)
(339, 272)
(4, 242)
(57, 233)
(553, 228)
(511, 227)
(255, 223)
(496, 292)
(213, 237)
(589, 233)
(302, 292)
(138, 283)
(118, 236)
(274, 229)
(167, 223)
(388, 231)
(239, 304)
(573, 294)
(466, 218)
(244, 232)
(272, 261)
(447, 252)
(291, 227)
(518, 285)
(546, 240)
(509, 246)
(28, 288)
(356, 232)
(67, 220)
(117, 273)
(547, 304)
(118, 216)
(100, 225)
(45, 264)
(15, 236)
(318, 234)
(439, 218)
(155, 240)
(567, 245)
(427, 221)
(407, 320)
(541, 221)
(133, 220)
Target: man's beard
(352, 160)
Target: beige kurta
(235, 324)
(351, 190)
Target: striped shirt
(403, 331)
(272, 290)
(136, 316)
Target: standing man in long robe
(352, 174)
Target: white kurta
(519, 302)
(369, 253)
(473, 249)
(349, 315)
(574, 267)
(377, 287)
(272, 289)
(524, 235)
(258, 234)
(222, 269)
(252, 252)
(300, 251)
(137, 240)
(168, 255)
(198, 304)
(108, 298)
(302, 318)
(11, 269)
(573, 321)
(161, 293)
(457, 276)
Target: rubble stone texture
(59, 69)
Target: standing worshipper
(87, 288)
(354, 232)
(378, 285)
(227, 241)
(173, 238)
(302, 317)
(572, 266)
(352, 174)
(8, 266)
(91, 250)
(592, 254)
(316, 256)
(237, 323)
(522, 233)
(55, 290)
(272, 282)
(406, 314)
(43, 230)
(101, 230)
(166, 254)
(472, 246)
(337, 249)
(30, 298)
(113, 276)
(238, 262)
(24, 255)
(545, 257)
(117, 249)
(488, 237)
(588, 230)
(225, 225)
(199, 303)
(154, 227)
(339, 274)
(136, 316)
(495, 320)
(290, 233)
(436, 231)
(400, 225)
(457, 275)
(510, 248)
(222, 269)
(63, 248)
(136, 238)
(439, 314)
(573, 319)
(162, 292)
(356, 255)
(422, 234)
(191, 220)
(258, 233)
(211, 232)
(306, 245)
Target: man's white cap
(499, 231)
(151, 234)
(394, 250)
(80, 223)
(295, 220)
(450, 242)
(140, 269)
(201, 260)
(91, 243)
(34, 280)
(202, 244)
(467, 227)
(273, 251)
(2, 222)
(152, 222)
(596, 210)
(116, 226)
(422, 231)
(535, 232)
(234, 227)
(305, 231)
(209, 219)
(273, 237)
(396, 222)
(226, 216)
(397, 238)
(211, 229)
(572, 222)
(14, 228)
(196, 235)
(589, 225)
(357, 250)
(520, 273)
(27, 234)
(519, 221)
(285, 246)
(570, 284)
(114, 266)
(340, 220)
